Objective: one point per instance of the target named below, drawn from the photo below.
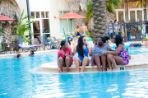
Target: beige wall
(53, 7)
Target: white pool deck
(136, 62)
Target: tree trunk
(99, 18)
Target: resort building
(132, 11)
(135, 14)
(44, 15)
(132, 15)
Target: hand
(108, 52)
(104, 52)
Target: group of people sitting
(101, 55)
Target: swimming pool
(18, 81)
(133, 50)
(137, 50)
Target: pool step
(121, 67)
(53, 68)
(72, 69)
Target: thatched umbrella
(11, 9)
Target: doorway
(36, 29)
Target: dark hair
(106, 38)
(62, 43)
(112, 35)
(102, 39)
(32, 53)
(77, 26)
(18, 55)
(80, 46)
(118, 40)
(69, 39)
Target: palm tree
(100, 8)
(99, 18)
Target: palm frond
(113, 4)
(89, 13)
(23, 25)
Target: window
(33, 14)
(139, 15)
(36, 28)
(37, 14)
(121, 16)
(132, 16)
(47, 14)
(45, 25)
(145, 14)
(41, 24)
(42, 15)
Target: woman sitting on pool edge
(83, 52)
(65, 58)
(120, 56)
(99, 56)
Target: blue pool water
(137, 50)
(17, 81)
(133, 50)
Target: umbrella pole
(68, 25)
(71, 24)
(64, 33)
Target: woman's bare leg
(97, 61)
(84, 63)
(92, 61)
(77, 63)
(119, 60)
(103, 60)
(60, 64)
(68, 63)
(111, 60)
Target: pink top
(62, 53)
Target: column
(147, 9)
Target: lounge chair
(28, 47)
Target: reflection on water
(97, 85)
